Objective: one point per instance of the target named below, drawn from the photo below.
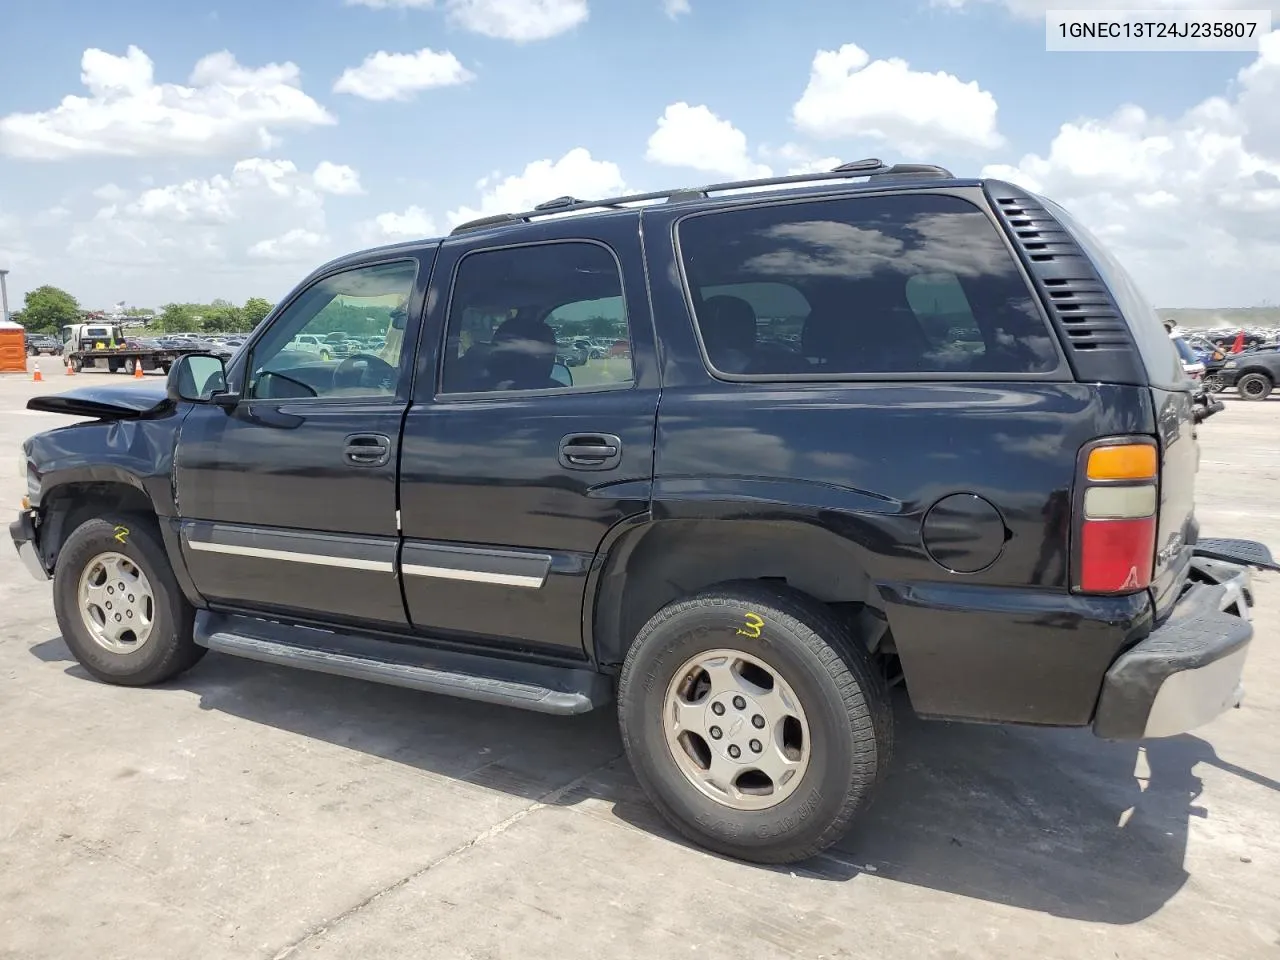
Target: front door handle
(367, 450)
(590, 451)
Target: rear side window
(909, 284)
(1159, 356)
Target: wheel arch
(70, 501)
(652, 563)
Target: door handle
(590, 451)
(367, 450)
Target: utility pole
(4, 297)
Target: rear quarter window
(913, 284)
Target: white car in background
(310, 343)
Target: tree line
(48, 309)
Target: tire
(1254, 386)
(113, 366)
(841, 695)
(77, 364)
(168, 648)
(130, 365)
(1213, 383)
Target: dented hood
(125, 402)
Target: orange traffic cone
(71, 371)
(36, 377)
(137, 369)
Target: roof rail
(858, 168)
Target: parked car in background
(38, 343)
(1253, 373)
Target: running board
(526, 686)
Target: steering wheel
(364, 370)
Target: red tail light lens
(1116, 512)
(1116, 555)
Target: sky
(153, 151)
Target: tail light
(1115, 511)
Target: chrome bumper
(1188, 671)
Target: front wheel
(1213, 383)
(118, 605)
(755, 723)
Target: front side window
(541, 317)
(308, 352)
(909, 284)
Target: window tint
(537, 318)
(903, 284)
(317, 348)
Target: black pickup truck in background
(873, 426)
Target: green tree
(221, 316)
(254, 311)
(47, 310)
(179, 318)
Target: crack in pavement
(547, 799)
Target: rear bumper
(23, 533)
(1188, 670)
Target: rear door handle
(367, 450)
(590, 451)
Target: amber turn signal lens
(1130, 461)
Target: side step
(527, 686)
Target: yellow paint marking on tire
(753, 622)
(122, 534)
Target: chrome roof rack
(858, 168)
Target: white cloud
(337, 178)
(575, 174)
(1191, 204)
(51, 216)
(695, 137)
(850, 95)
(676, 8)
(240, 233)
(398, 76)
(1035, 9)
(298, 244)
(413, 223)
(797, 159)
(226, 106)
(521, 21)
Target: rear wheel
(1255, 386)
(755, 723)
(130, 365)
(118, 605)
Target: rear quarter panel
(865, 462)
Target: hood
(106, 403)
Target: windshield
(1184, 350)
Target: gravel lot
(247, 811)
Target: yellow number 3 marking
(752, 625)
(122, 534)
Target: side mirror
(562, 375)
(197, 378)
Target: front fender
(135, 453)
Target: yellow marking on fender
(753, 623)
(122, 534)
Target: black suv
(877, 426)
(1253, 373)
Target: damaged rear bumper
(1189, 669)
